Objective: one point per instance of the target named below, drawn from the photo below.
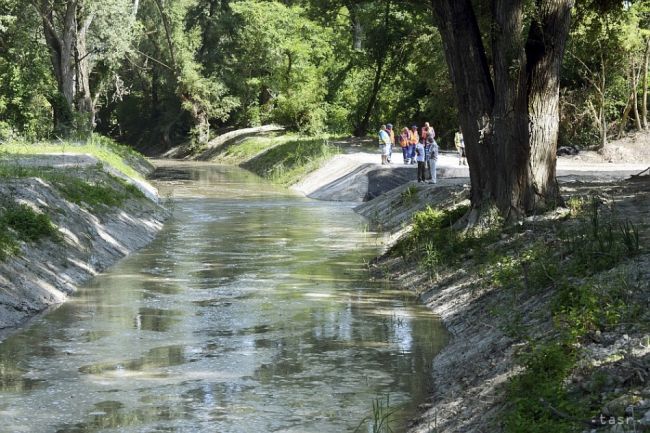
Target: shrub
(19, 222)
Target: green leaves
(285, 57)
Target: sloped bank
(550, 320)
(67, 218)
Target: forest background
(155, 73)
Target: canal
(252, 311)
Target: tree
(510, 118)
(278, 61)
(603, 71)
(25, 77)
(202, 97)
(80, 36)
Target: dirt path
(357, 174)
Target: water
(251, 312)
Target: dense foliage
(154, 73)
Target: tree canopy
(155, 73)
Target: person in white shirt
(419, 157)
(384, 144)
(431, 152)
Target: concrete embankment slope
(90, 236)
(356, 176)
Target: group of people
(418, 147)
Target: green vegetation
(409, 195)
(83, 187)
(88, 187)
(570, 266)
(19, 222)
(93, 194)
(157, 74)
(248, 148)
(566, 258)
(287, 159)
(203, 64)
(434, 241)
(383, 416)
(104, 149)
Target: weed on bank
(89, 187)
(287, 159)
(566, 257)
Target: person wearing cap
(413, 140)
(384, 144)
(391, 135)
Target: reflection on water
(251, 312)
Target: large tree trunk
(470, 73)
(510, 124)
(635, 89)
(510, 111)
(84, 100)
(61, 47)
(544, 53)
(66, 41)
(626, 115)
(200, 120)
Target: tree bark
(510, 111)
(601, 106)
(544, 53)
(357, 27)
(644, 100)
(510, 122)
(470, 73)
(626, 114)
(635, 90)
(61, 47)
(66, 41)
(84, 100)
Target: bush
(19, 222)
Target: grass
(251, 147)
(409, 196)
(287, 159)
(434, 242)
(19, 222)
(104, 149)
(89, 187)
(383, 415)
(569, 266)
(84, 188)
(569, 259)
